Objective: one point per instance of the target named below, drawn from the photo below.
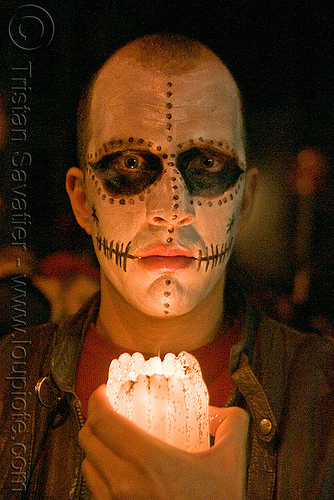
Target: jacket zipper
(76, 489)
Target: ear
(75, 187)
(252, 176)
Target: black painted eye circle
(128, 172)
(208, 172)
(131, 162)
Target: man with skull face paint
(160, 192)
(161, 189)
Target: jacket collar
(71, 334)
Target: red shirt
(98, 352)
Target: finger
(104, 466)
(232, 422)
(101, 458)
(123, 437)
(109, 476)
(95, 483)
(215, 419)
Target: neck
(134, 330)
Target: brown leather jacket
(285, 379)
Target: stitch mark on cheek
(230, 223)
(94, 215)
(216, 257)
(110, 251)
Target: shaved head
(170, 54)
(167, 54)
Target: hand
(124, 462)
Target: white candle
(168, 398)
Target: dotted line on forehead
(169, 106)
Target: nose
(169, 202)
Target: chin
(167, 306)
(161, 311)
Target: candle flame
(158, 367)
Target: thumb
(232, 422)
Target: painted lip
(161, 257)
(164, 251)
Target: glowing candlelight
(168, 398)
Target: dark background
(280, 53)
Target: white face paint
(164, 182)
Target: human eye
(134, 162)
(207, 161)
(128, 172)
(123, 160)
(208, 172)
